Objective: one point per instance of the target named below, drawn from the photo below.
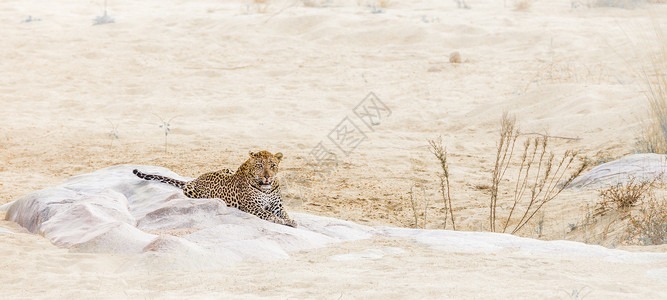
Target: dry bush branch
(622, 197)
(653, 138)
(414, 205)
(549, 185)
(649, 225)
(540, 175)
(508, 137)
(441, 154)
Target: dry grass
(415, 208)
(508, 137)
(440, 153)
(653, 138)
(561, 71)
(541, 176)
(627, 213)
(622, 197)
(649, 225)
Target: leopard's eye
(273, 166)
(258, 165)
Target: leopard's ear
(278, 156)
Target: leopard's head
(262, 169)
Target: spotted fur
(253, 188)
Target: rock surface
(112, 210)
(641, 167)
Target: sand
(238, 76)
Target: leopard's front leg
(277, 209)
(264, 214)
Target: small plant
(649, 225)
(544, 182)
(508, 136)
(31, 19)
(113, 134)
(540, 226)
(653, 138)
(622, 197)
(578, 293)
(413, 204)
(166, 127)
(462, 4)
(440, 153)
(539, 177)
(104, 19)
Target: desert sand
(238, 76)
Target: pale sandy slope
(237, 79)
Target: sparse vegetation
(462, 4)
(578, 293)
(113, 134)
(508, 137)
(166, 127)
(630, 209)
(104, 19)
(565, 71)
(622, 197)
(653, 138)
(414, 205)
(540, 173)
(441, 154)
(649, 225)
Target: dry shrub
(539, 178)
(649, 225)
(441, 154)
(413, 204)
(508, 136)
(622, 197)
(653, 138)
(566, 71)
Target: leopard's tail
(160, 178)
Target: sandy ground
(238, 76)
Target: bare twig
(440, 153)
(166, 126)
(508, 136)
(414, 206)
(552, 136)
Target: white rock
(112, 210)
(641, 167)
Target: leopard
(253, 188)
